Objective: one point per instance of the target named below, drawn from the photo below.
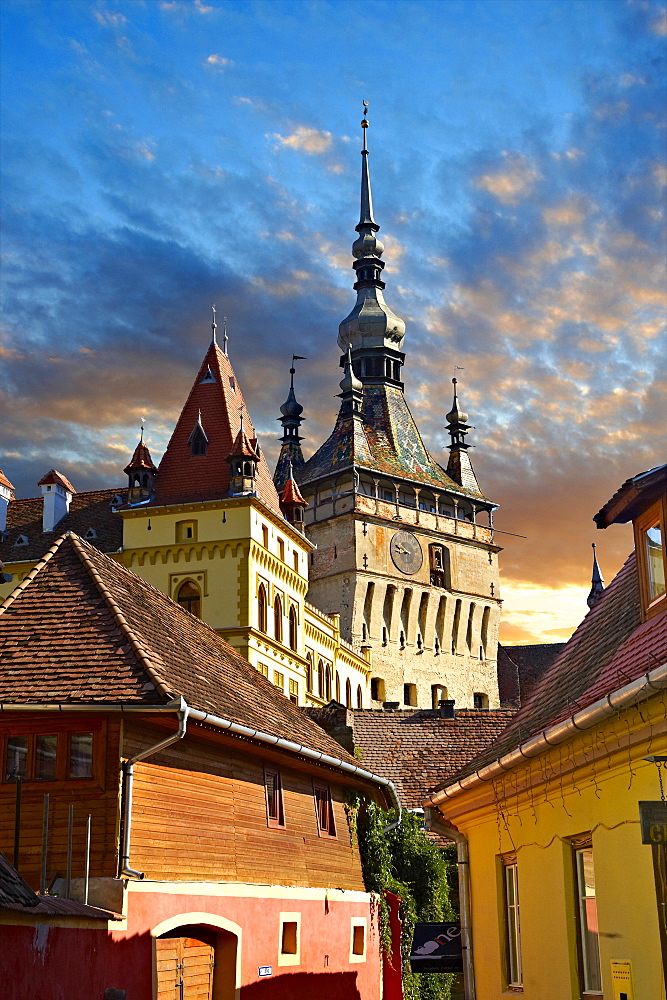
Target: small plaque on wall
(265, 970)
(653, 820)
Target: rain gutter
(434, 823)
(624, 697)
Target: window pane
(588, 920)
(45, 758)
(16, 765)
(81, 755)
(656, 567)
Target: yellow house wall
(535, 810)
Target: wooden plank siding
(199, 814)
(98, 795)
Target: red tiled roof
(141, 459)
(521, 667)
(183, 477)
(83, 629)
(611, 648)
(413, 748)
(243, 447)
(635, 492)
(292, 494)
(87, 510)
(58, 479)
(4, 481)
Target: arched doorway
(197, 957)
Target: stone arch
(228, 948)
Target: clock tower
(404, 549)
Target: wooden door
(184, 969)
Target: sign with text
(653, 820)
(436, 948)
(265, 970)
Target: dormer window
(208, 377)
(90, 534)
(21, 540)
(198, 440)
(117, 500)
(651, 558)
(655, 564)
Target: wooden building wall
(97, 795)
(199, 813)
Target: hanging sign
(653, 820)
(436, 948)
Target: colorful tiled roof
(56, 478)
(87, 510)
(81, 629)
(216, 402)
(610, 649)
(386, 440)
(413, 748)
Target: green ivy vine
(405, 862)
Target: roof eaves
(624, 697)
(27, 580)
(161, 685)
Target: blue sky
(160, 156)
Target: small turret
(141, 473)
(243, 460)
(292, 503)
(597, 581)
(291, 456)
(459, 466)
(352, 390)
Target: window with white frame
(589, 951)
(512, 920)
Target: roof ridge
(80, 547)
(33, 573)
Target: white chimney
(6, 494)
(57, 492)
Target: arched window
(309, 672)
(262, 608)
(320, 679)
(348, 693)
(338, 687)
(327, 684)
(292, 628)
(189, 597)
(360, 697)
(278, 619)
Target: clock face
(406, 552)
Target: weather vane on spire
(292, 371)
(225, 338)
(143, 421)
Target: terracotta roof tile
(611, 648)
(87, 510)
(5, 482)
(141, 459)
(183, 477)
(58, 479)
(292, 494)
(84, 629)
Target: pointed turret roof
(55, 478)
(215, 404)
(292, 494)
(459, 466)
(291, 456)
(140, 460)
(6, 483)
(597, 581)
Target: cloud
(218, 62)
(108, 18)
(310, 140)
(512, 182)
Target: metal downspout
(463, 863)
(128, 783)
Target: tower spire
(290, 456)
(371, 327)
(459, 466)
(597, 581)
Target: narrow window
(294, 691)
(186, 531)
(348, 694)
(320, 679)
(45, 757)
(281, 550)
(410, 694)
(289, 940)
(512, 923)
(189, 597)
(384, 637)
(288, 944)
(423, 616)
(358, 939)
(296, 562)
(275, 811)
(338, 687)
(405, 612)
(388, 610)
(278, 619)
(360, 697)
(324, 810)
(81, 755)
(440, 622)
(292, 628)
(265, 536)
(455, 625)
(588, 920)
(654, 562)
(438, 694)
(439, 559)
(480, 700)
(471, 616)
(279, 680)
(262, 609)
(327, 683)
(262, 668)
(309, 672)
(16, 760)
(378, 692)
(368, 610)
(485, 632)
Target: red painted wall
(58, 963)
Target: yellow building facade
(563, 888)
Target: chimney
(57, 492)
(6, 494)
(447, 708)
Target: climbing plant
(404, 861)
